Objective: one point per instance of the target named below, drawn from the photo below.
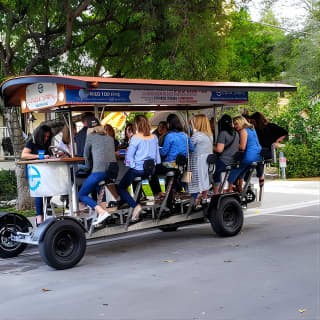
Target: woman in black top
(41, 141)
(268, 134)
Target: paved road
(269, 271)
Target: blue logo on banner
(229, 96)
(97, 96)
(34, 178)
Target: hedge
(8, 185)
(302, 160)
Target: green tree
(250, 48)
(299, 51)
(153, 38)
(179, 39)
(302, 118)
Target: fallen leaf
(105, 304)
(302, 310)
(227, 261)
(169, 261)
(45, 290)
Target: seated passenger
(268, 134)
(42, 137)
(128, 132)
(227, 145)
(110, 132)
(162, 131)
(202, 141)
(96, 152)
(143, 146)
(175, 142)
(250, 144)
(65, 143)
(82, 134)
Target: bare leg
(205, 194)
(39, 219)
(216, 189)
(113, 191)
(199, 197)
(230, 188)
(240, 184)
(261, 181)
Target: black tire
(63, 245)
(168, 228)
(227, 220)
(9, 248)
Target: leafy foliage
(250, 49)
(302, 118)
(302, 160)
(8, 185)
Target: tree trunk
(11, 117)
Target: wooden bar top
(55, 160)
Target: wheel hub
(64, 244)
(229, 217)
(5, 239)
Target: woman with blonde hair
(202, 141)
(65, 143)
(97, 156)
(249, 143)
(110, 132)
(143, 146)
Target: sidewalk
(283, 192)
(7, 165)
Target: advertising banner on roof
(158, 97)
(40, 95)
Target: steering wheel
(58, 152)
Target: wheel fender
(20, 217)
(45, 225)
(217, 198)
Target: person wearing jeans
(125, 182)
(96, 153)
(249, 143)
(143, 146)
(175, 142)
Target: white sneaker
(101, 218)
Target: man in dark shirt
(268, 134)
(82, 134)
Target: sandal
(136, 213)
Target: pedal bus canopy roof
(51, 92)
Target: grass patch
(26, 213)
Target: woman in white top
(202, 141)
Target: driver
(41, 141)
